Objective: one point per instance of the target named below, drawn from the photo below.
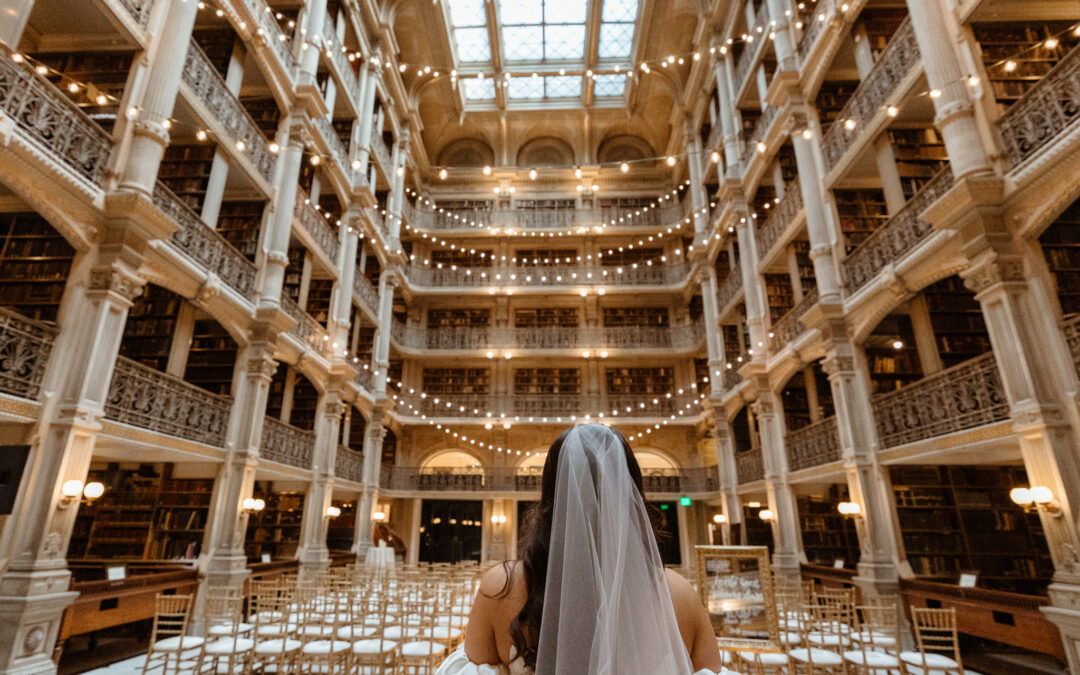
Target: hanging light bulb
(624, 167)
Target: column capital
(994, 270)
(837, 364)
(113, 279)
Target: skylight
(609, 85)
(543, 30)
(469, 19)
(479, 90)
(617, 29)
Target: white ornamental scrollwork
(1043, 112)
(25, 347)
(286, 444)
(813, 445)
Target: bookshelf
(1020, 43)
(639, 380)
(389, 448)
(211, 358)
(781, 295)
(636, 316)
(265, 112)
(34, 265)
(789, 168)
(1061, 246)
(957, 319)
(150, 325)
(276, 529)
(722, 266)
(106, 72)
(920, 155)
(456, 380)
(881, 24)
(806, 266)
(891, 368)
(340, 530)
(180, 517)
(120, 521)
(756, 531)
(461, 257)
(955, 518)
(763, 203)
(304, 405)
(827, 535)
(239, 223)
(622, 258)
(861, 212)
(217, 44)
(459, 318)
(294, 271)
(547, 381)
(357, 430)
(539, 317)
(796, 403)
(732, 346)
(318, 300)
(185, 169)
(832, 97)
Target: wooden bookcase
(461, 258)
(34, 265)
(955, 518)
(827, 535)
(732, 346)
(627, 256)
(639, 380)
(318, 300)
(459, 318)
(861, 212)
(781, 295)
(180, 517)
(546, 381)
(118, 524)
(106, 72)
(265, 112)
(276, 529)
(537, 317)
(185, 169)
(239, 223)
(1023, 44)
(636, 316)
(149, 329)
(357, 430)
(456, 380)
(756, 532)
(920, 154)
(340, 530)
(832, 97)
(796, 402)
(881, 24)
(211, 358)
(217, 44)
(959, 327)
(722, 266)
(763, 203)
(891, 368)
(807, 277)
(305, 404)
(1061, 246)
(294, 271)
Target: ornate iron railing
(366, 291)
(549, 337)
(205, 246)
(962, 397)
(365, 380)
(757, 41)
(790, 326)
(25, 346)
(897, 60)
(761, 130)
(269, 30)
(543, 219)
(1043, 112)
(375, 215)
(333, 141)
(428, 479)
(139, 10)
(813, 445)
(732, 377)
(207, 85)
(349, 464)
(305, 329)
(315, 225)
(149, 399)
(285, 444)
(381, 152)
(729, 289)
(1071, 330)
(501, 277)
(818, 20)
(779, 219)
(551, 405)
(48, 116)
(897, 236)
(749, 466)
(341, 62)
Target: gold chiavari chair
(874, 640)
(937, 643)
(171, 648)
(228, 650)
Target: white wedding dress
(459, 664)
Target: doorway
(450, 530)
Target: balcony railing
(897, 236)
(815, 26)
(305, 329)
(149, 399)
(543, 219)
(965, 396)
(349, 464)
(314, 223)
(341, 63)
(1043, 112)
(881, 84)
(732, 377)
(417, 479)
(1071, 330)
(337, 148)
(49, 117)
(381, 152)
(208, 87)
(205, 246)
(779, 219)
(790, 326)
(813, 445)
(752, 50)
(270, 31)
(749, 466)
(286, 444)
(25, 346)
(553, 405)
(549, 337)
(365, 380)
(139, 10)
(366, 291)
(729, 289)
(501, 277)
(761, 130)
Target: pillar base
(312, 563)
(786, 570)
(876, 579)
(30, 624)
(220, 571)
(1064, 612)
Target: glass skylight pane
(468, 13)
(479, 90)
(564, 11)
(564, 42)
(609, 85)
(472, 44)
(620, 10)
(526, 87)
(521, 11)
(562, 86)
(523, 43)
(616, 40)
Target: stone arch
(624, 148)
(466, 152)
(453, 457)
(545, 151)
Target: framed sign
(838, 564)
(115, 572)
(968, 579)
(265, 557)
(736, 586)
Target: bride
(589, 595)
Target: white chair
(227, 650)
(823, 638)
(937, 643)
(875, 639)
(171, 648)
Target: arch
(624, 148)
(864, 327)
(451, 458)
(545, 151)
(649, 458)
(466, 152)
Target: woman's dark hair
(536, 537)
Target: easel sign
(736, 586)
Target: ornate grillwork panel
(333, 141)
(306, 329)
(205, 246)
(366, 291)
(379, 149)
(639, 275)
(555, 405)
(815, 27)
(779, 219)
(813, 445)
(732, 377)
(749, 466)
(315, 224)
(341, 63)
(899, 58)
(761, 130)
(1071, 329)
(790, 326)
(25, 346)
(286, 444)
(416, 479)
(1043, 112)
(752, 50)
(270, 32)
(50, 118)
(139, 10)
(149, 399)
(206, 84)
(349, 464)
(962, 397)
(729, 289)
(546, 337)
(896, 237)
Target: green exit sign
(684, 501)
(664, 507)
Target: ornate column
(341, 302)
(387, 283)
(753, 284)
(787, 535)
(369, 81)
(312, 552)
(714, 340)
(730, 506)
(369, 492)
(728, 117)
(698, 197)
(34, 586)
(783, 37)
(397, 192)
(280, 221)
(819, 226)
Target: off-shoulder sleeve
(459, 664)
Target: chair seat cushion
(277, 646)
(229, 646)
(398, 632)
(819, 657)
(375, 646)
(226, 629)
(177, 643)
(767, 659)
(872, 659)
(878, 639)
(826, 640)
(422, 648)
(443, 633)
(351, 633)
(933, 660)
(323, 647)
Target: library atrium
(301, 292)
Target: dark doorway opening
(450, 531)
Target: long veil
(607, 607)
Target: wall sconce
(849, 509)
(498, 520)
(253, 505)
(379, 516)
(766, 515)
(333, 511)
(719, 519)
(1036, 498)
(753, 505)
(73, 491)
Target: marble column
(16, 13)
(313, 554)
(279, 224)
(819, 226)
(787, 534)
(369, 493)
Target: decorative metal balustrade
(548, 337)
(897, 236)
(1071, 330)
(428, 479)
(458, 405)
(544, 219)
(1043, 112)
(365, 380)
(501, 277)
(761, 130)
(790, 326)
(815, 26)
(749, 466)
(53, 121)
(779, 219)
(965, 396)
(305, 329)
(552, 406)
(381, 152)
(139, 10)
(25, 346)
(375, 215)
(270, 32)
(368, 295)
(340, 61)
(149, 399)
(208, 87)
(314, 223)
(756, 41)
(728, 290)
(732, 377)
(205, 246)
(285, 444)
(337, 148)
(881, 84)
(813, 445)
(349, 464)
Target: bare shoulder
(681, 590)
(501, 580)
